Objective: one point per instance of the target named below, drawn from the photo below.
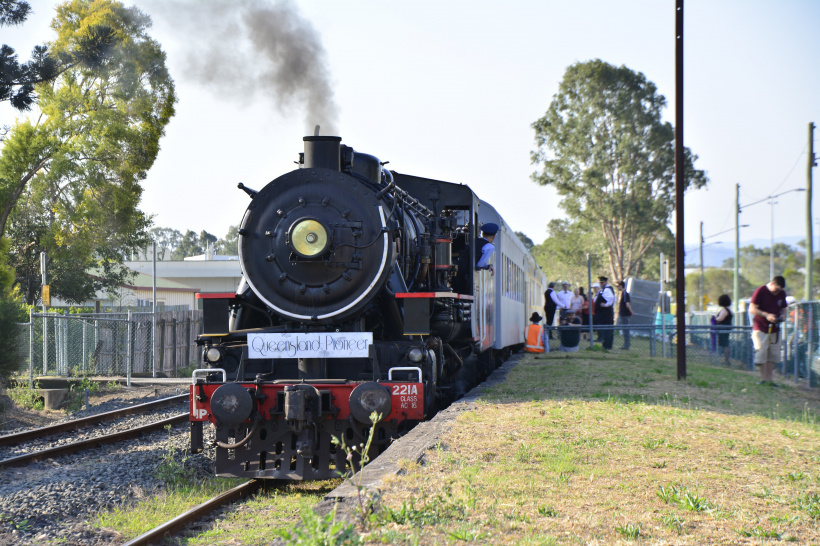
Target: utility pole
(680, 256)
(702, 286)
(807, 292)
(771, 245)
(736, 286)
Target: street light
(736, 291)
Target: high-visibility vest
(534, 339)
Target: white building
(206, 273)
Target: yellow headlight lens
(309, 238)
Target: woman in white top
(576, 302)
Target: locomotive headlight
(415, 355)
(308, 238)
(212, 354)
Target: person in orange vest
(536, 336)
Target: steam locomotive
(359, 295)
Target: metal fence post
(809, 341)
(188, 340)
(796, 341)
(128, 356)
(162, 345)
(85, 349)
(174, 345)
(45, 344)
(96, 344)
(31, 348)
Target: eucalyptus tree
(603, 146)
(78, 162)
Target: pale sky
(448, 90)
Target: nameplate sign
(317, 345)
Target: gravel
(56, 497)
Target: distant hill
(715, 254)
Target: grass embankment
(248, 523)
(597, 448)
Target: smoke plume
(247, 50)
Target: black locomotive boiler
(359, 295)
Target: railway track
(173, 526)
(90, 443)
(77, 424)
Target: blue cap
(489, 229)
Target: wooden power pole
(807, 292)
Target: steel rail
(91, 443)
(76, 424)
(173, 526)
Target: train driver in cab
(484, 247)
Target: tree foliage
(70, 178)
(562, 256)
(603, 146)
(527, 242)
(229, 246)
(716, 283)
(17, 80)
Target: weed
(694, 503)
(653, 443)
(679, 447)
(789, 433)
(524, 453)
(365, 506)
(757, 532)
(673, 523)
(467, 534)
(675, 494)
(440, 508)
(630, 531)
(809, 503)
(749, 449)
(796, 476)
(319, 530)
(668, 494)
(547, 511)
(170, 469)
(563, 478)
(26, 397)
(729, 443)
(661, 464)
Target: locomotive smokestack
(322, 152)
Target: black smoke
(250, 50)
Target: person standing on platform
(604, 311)
(724, 319)
(536, 336)
(551, 303)
(768, 307)
(484, 247)
(624, 312)
(565, 298)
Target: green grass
(251, 522)
(609, 448)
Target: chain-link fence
(110, 344)
(715, 345)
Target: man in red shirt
(768, 307)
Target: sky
(448, 90)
